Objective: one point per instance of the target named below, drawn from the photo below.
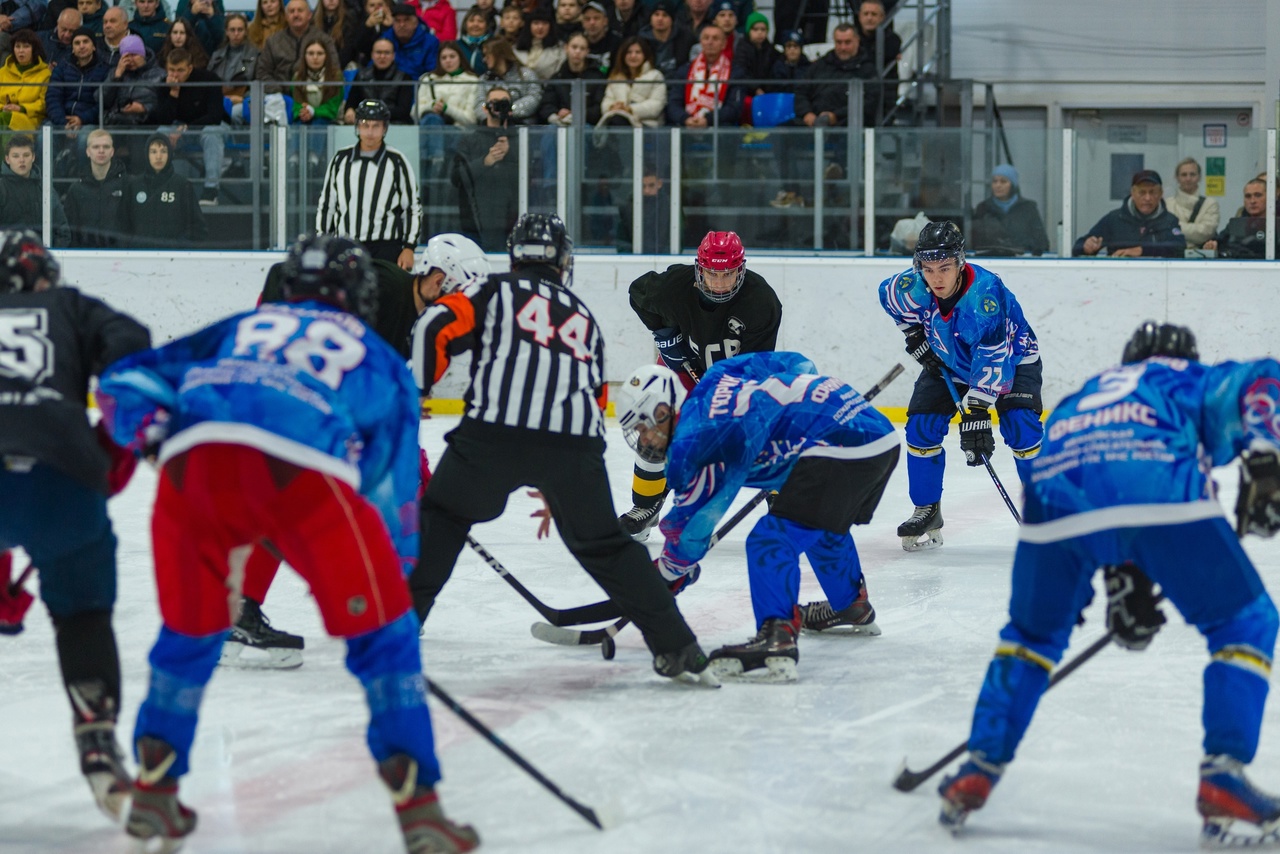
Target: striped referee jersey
(370, 198)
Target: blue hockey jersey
(1147, 434)
(303, 382)
(746, 423)
(982, 340)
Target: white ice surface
(279, 764)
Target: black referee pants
(485, 463)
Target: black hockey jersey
(748, 323)
(51, 343)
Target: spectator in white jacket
(1198, 214)
(446, 96)
(636, 94)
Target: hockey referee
(371, 194)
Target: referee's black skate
(770, 656)
(639, 521)
(253, 643)
(859, 618)
(925, 522)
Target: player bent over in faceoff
(960, 320)
(55, 475)
(292, 425)
(767, 420)
(1136, 510)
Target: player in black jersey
(699, 314)
(533, 418)
(55, 475)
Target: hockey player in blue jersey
(770, 421)
(292, 428)
(960, 319)
(1123, 483)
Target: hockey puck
(607, 648)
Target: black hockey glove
(976, 439)
(1132, 615)
(918, 348)
(1258, 504)
(675, 350)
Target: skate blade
(1217, 834)
(868, 630)
(777, 669)
(705, 679)
(156, 845)
(952, 818)
(931, 540)
(244, 657)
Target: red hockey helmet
(721, 266)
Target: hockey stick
(951, 387)
(22, 579)
(593, 613)
(472, 721)
(605, 636)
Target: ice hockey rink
(279, 764)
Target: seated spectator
(49, 16)
(809, 17)
(655, 213)
(132, 104)
(568, 18)
(73, 99)
(1005, 223)
(446, 96)
(91, 12)
(283, 52)
(21, 193)
(626, 18)
(381, 80)
(708, 98)
(268, 19)
(57, 42)
(556, 107)
(234, 62)
(756, 55)
(486, 172)
(24, 83)
(373, 23)
(150, 23)
(475, 32)
(671, 43)
(1246, 235)
(416, 48)
(522, 86)
(490, 12)
(115, 26)
(827, 103)
(1198, 216)
(19, 15)
(209, 19)
(318, 85)
(792, 65)
(871, 20)
(726, 18)
(338, 20)
(601, 43)
(182, 35)
(510, 22)
(538, 46)
(636, 94)
(1140, 227)
(160, 208)
(440, 17)
(693, 15)
(186, 108)
(94, 202)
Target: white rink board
(1082, 311)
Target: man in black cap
(626, 18)
(1142, 226)
(416, 48)
(670, 41)
(601, 41)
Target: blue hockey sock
(180, 668)
(835, 562)
(1237, 679)
(774, 547)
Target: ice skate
(925, 522)
(967, 790)
(771, 656)
(1225, 797)
(687, 665)
(157, 819)
(253, 643)
(423, 823)
(101, 761)
(639, 521)
(859, 618)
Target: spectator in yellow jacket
(22, 104)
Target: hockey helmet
(24, 262)
(1161, 339)
(373, 110)
(720, 252)
(640, 398)
(332, 269)
(939, 241)
(459, 258)
(541, 238)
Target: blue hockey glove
(1132, 615)
(976, 439)
(1258, 504)
(918, 348)
(674, 349)
(677, 574)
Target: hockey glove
(918, 348)
(976, 439)
(1258, 504)
(677, 574)
(675, 350)
(1132, 615)
(14, 599)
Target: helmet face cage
(939, 241)
(650, 397)
(1161, 339)
(332, 269)
(539, 238)
(463, 262)
(24, 261)
(720, 252)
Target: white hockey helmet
(640, 397)
(459, 258)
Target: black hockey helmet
(371, 109)
(939, 241)
(541, 238)
(1161, 339)
(24, 262)
(332, 269)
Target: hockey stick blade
(594, 613)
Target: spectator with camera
(520, 83)
(1141, 227)
(1197, 214)
(1246, 235)
(486, 173)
